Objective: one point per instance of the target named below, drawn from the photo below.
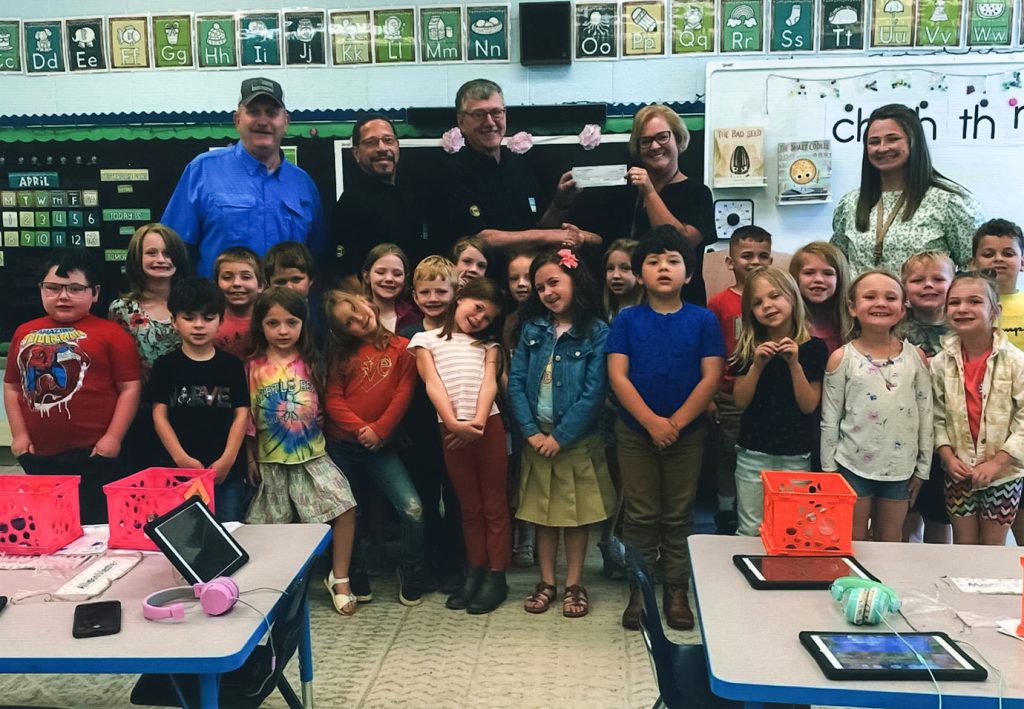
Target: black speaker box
(545, 33)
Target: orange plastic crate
(149, 493)
(38, 513)
(807, 513)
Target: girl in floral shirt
(876, 417)
(156, 260)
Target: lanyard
(882, 223)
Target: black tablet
(197, 544)
(797, 572)
(888, 656)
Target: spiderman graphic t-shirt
(285, 412)
(68, 377)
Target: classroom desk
(755, 656)
(38, 634)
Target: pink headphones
(215, 598)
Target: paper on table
(1004, 587)
(1009, 627)
(94, 540)
(599, 176)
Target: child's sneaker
(409, 591)
(360, 585)
(726, 522)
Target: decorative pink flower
(520, 142)
(452, 140)
(569, 259)
(590, 136)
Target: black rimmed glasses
(661, 138)
(73, 289)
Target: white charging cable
(1001, 684)
(270, 641)
(924, 663)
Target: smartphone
(96, 619)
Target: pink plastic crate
(149, 493)
(38, 513)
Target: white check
(599, 176)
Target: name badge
(533, 205)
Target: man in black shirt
(490, 192)
(373, 209)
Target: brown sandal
(541, 599)
(575, 595)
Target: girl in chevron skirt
(978, 380)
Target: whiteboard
(972, 106)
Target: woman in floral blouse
(903, 206)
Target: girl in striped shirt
(459, 363)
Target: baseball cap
(260, 86)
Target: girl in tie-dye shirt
(287, 456)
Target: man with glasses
(490, 192)
(373, 208)
(72, 384)
(248, 194)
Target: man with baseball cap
(248, 194)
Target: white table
(37, 634)
(755, 656)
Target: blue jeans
(883, 489)
(232, 499)
(388, 473)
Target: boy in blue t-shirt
(665, 362)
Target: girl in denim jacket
(978, 382)
(557, 386)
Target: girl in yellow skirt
(557, 386)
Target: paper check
(599, 176)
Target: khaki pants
(725, 431)
(658, 491)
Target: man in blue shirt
(248, 194)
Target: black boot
(459, 600)
(493, 592)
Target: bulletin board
(92, 194)
(95, 193)
(971, 106)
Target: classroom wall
(620, 81)
(969, 105)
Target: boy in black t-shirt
(200, 396)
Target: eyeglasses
(388, 140)
(661, 138)
(480, 114)
(73, 289)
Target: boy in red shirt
(72, 384)
(750, 247)
(238, 272)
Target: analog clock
(731, 214)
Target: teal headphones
(864, 602)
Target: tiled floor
(388, 655)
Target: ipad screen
(886, 651)
(796, 568)
(195, 542)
